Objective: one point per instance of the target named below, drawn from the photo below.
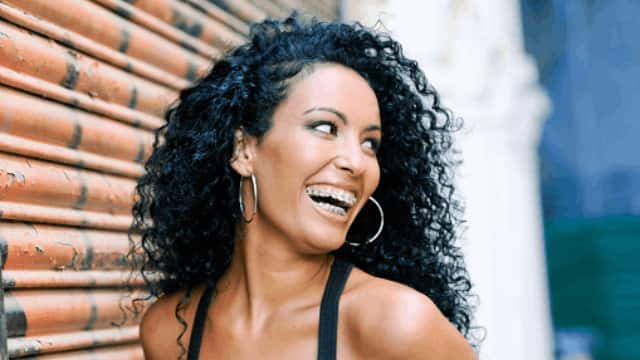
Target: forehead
(335, 86)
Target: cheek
(283, 166)
(294, 157)
(301, 154)
(374, 177)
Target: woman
(298, 204)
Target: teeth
(326, 191)
(332, 208)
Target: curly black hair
(187, 205)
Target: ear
(244, 153)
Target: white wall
(472, 51)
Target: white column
(472, 51)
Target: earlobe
(243, 153)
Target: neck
(266, 276)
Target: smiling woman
(298, 204)
(317, 163)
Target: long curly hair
(187, 206)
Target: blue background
(588, 57)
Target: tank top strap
(328, 328)
(198, 324)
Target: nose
(350, 158)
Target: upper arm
(405, 324)
(159, 330)
(422, 332)
(150, 332)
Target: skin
(267, 304)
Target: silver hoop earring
(375, 236)
(254, 189)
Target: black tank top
(327, 330)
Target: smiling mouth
(335, 201)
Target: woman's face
(317, 165)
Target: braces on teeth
(344, 197)
(332, 208)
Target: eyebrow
(340, 115)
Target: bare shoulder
(160, 328)
(393, 321)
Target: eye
(326, 127)
(372, 144)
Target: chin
(325, 243)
